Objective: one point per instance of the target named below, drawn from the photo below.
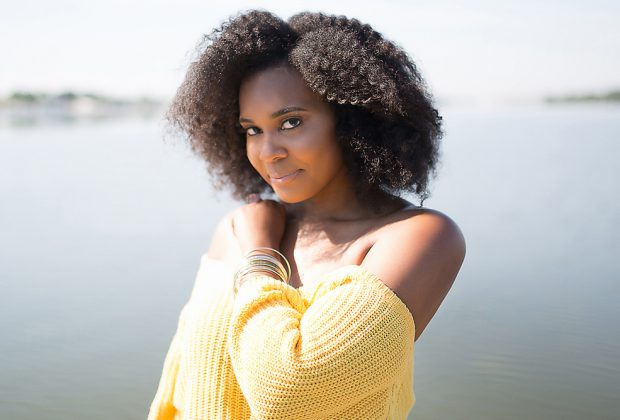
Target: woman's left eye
(291, 123)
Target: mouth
(285, 178)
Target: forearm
(293, 357)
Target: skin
(318, 224)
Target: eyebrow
(276, 114)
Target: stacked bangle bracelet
(257, 262)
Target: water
(102, 225)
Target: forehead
(274, 88)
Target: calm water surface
(102, 225)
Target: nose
(271, 148)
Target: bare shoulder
(425, 228)
(222, 241)
(418, 256)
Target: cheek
(321, 139)
(252, 155)
(329, 150)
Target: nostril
(271, 150)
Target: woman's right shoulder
(223, 242)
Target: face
(290, 135)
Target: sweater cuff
(263, 288)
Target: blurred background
(103, 217)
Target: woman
(304, 305)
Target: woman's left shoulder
(428, 216)
(418, 255)
(424, 227)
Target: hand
(259, 224)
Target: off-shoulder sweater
(339, 347)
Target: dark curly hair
(386, 124)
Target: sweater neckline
(313, 285)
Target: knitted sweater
(341, 346)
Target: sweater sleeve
(294, 357)
(162, 407)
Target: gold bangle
(266, 260)
(241, 277)
(261, 263)
(262, 266)
(288, 266)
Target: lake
(103, 222)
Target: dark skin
(318, 223)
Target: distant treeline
(613, 96)
(25, 97)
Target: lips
(276, 176)
(284, 178)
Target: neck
(339, 208)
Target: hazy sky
(465, 49)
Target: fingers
(252, 198)
(256, 198)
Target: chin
(290, 197)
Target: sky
(465, 50)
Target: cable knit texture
(339, 347)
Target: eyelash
(288, 119)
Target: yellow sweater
(339, 347)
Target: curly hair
(386, 124)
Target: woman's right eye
(251, 131)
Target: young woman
(307, 305)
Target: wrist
(262, 261)
(261, 244)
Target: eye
(291, 123)
(251, 131)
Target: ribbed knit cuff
(267, 288)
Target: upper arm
(419, 260)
